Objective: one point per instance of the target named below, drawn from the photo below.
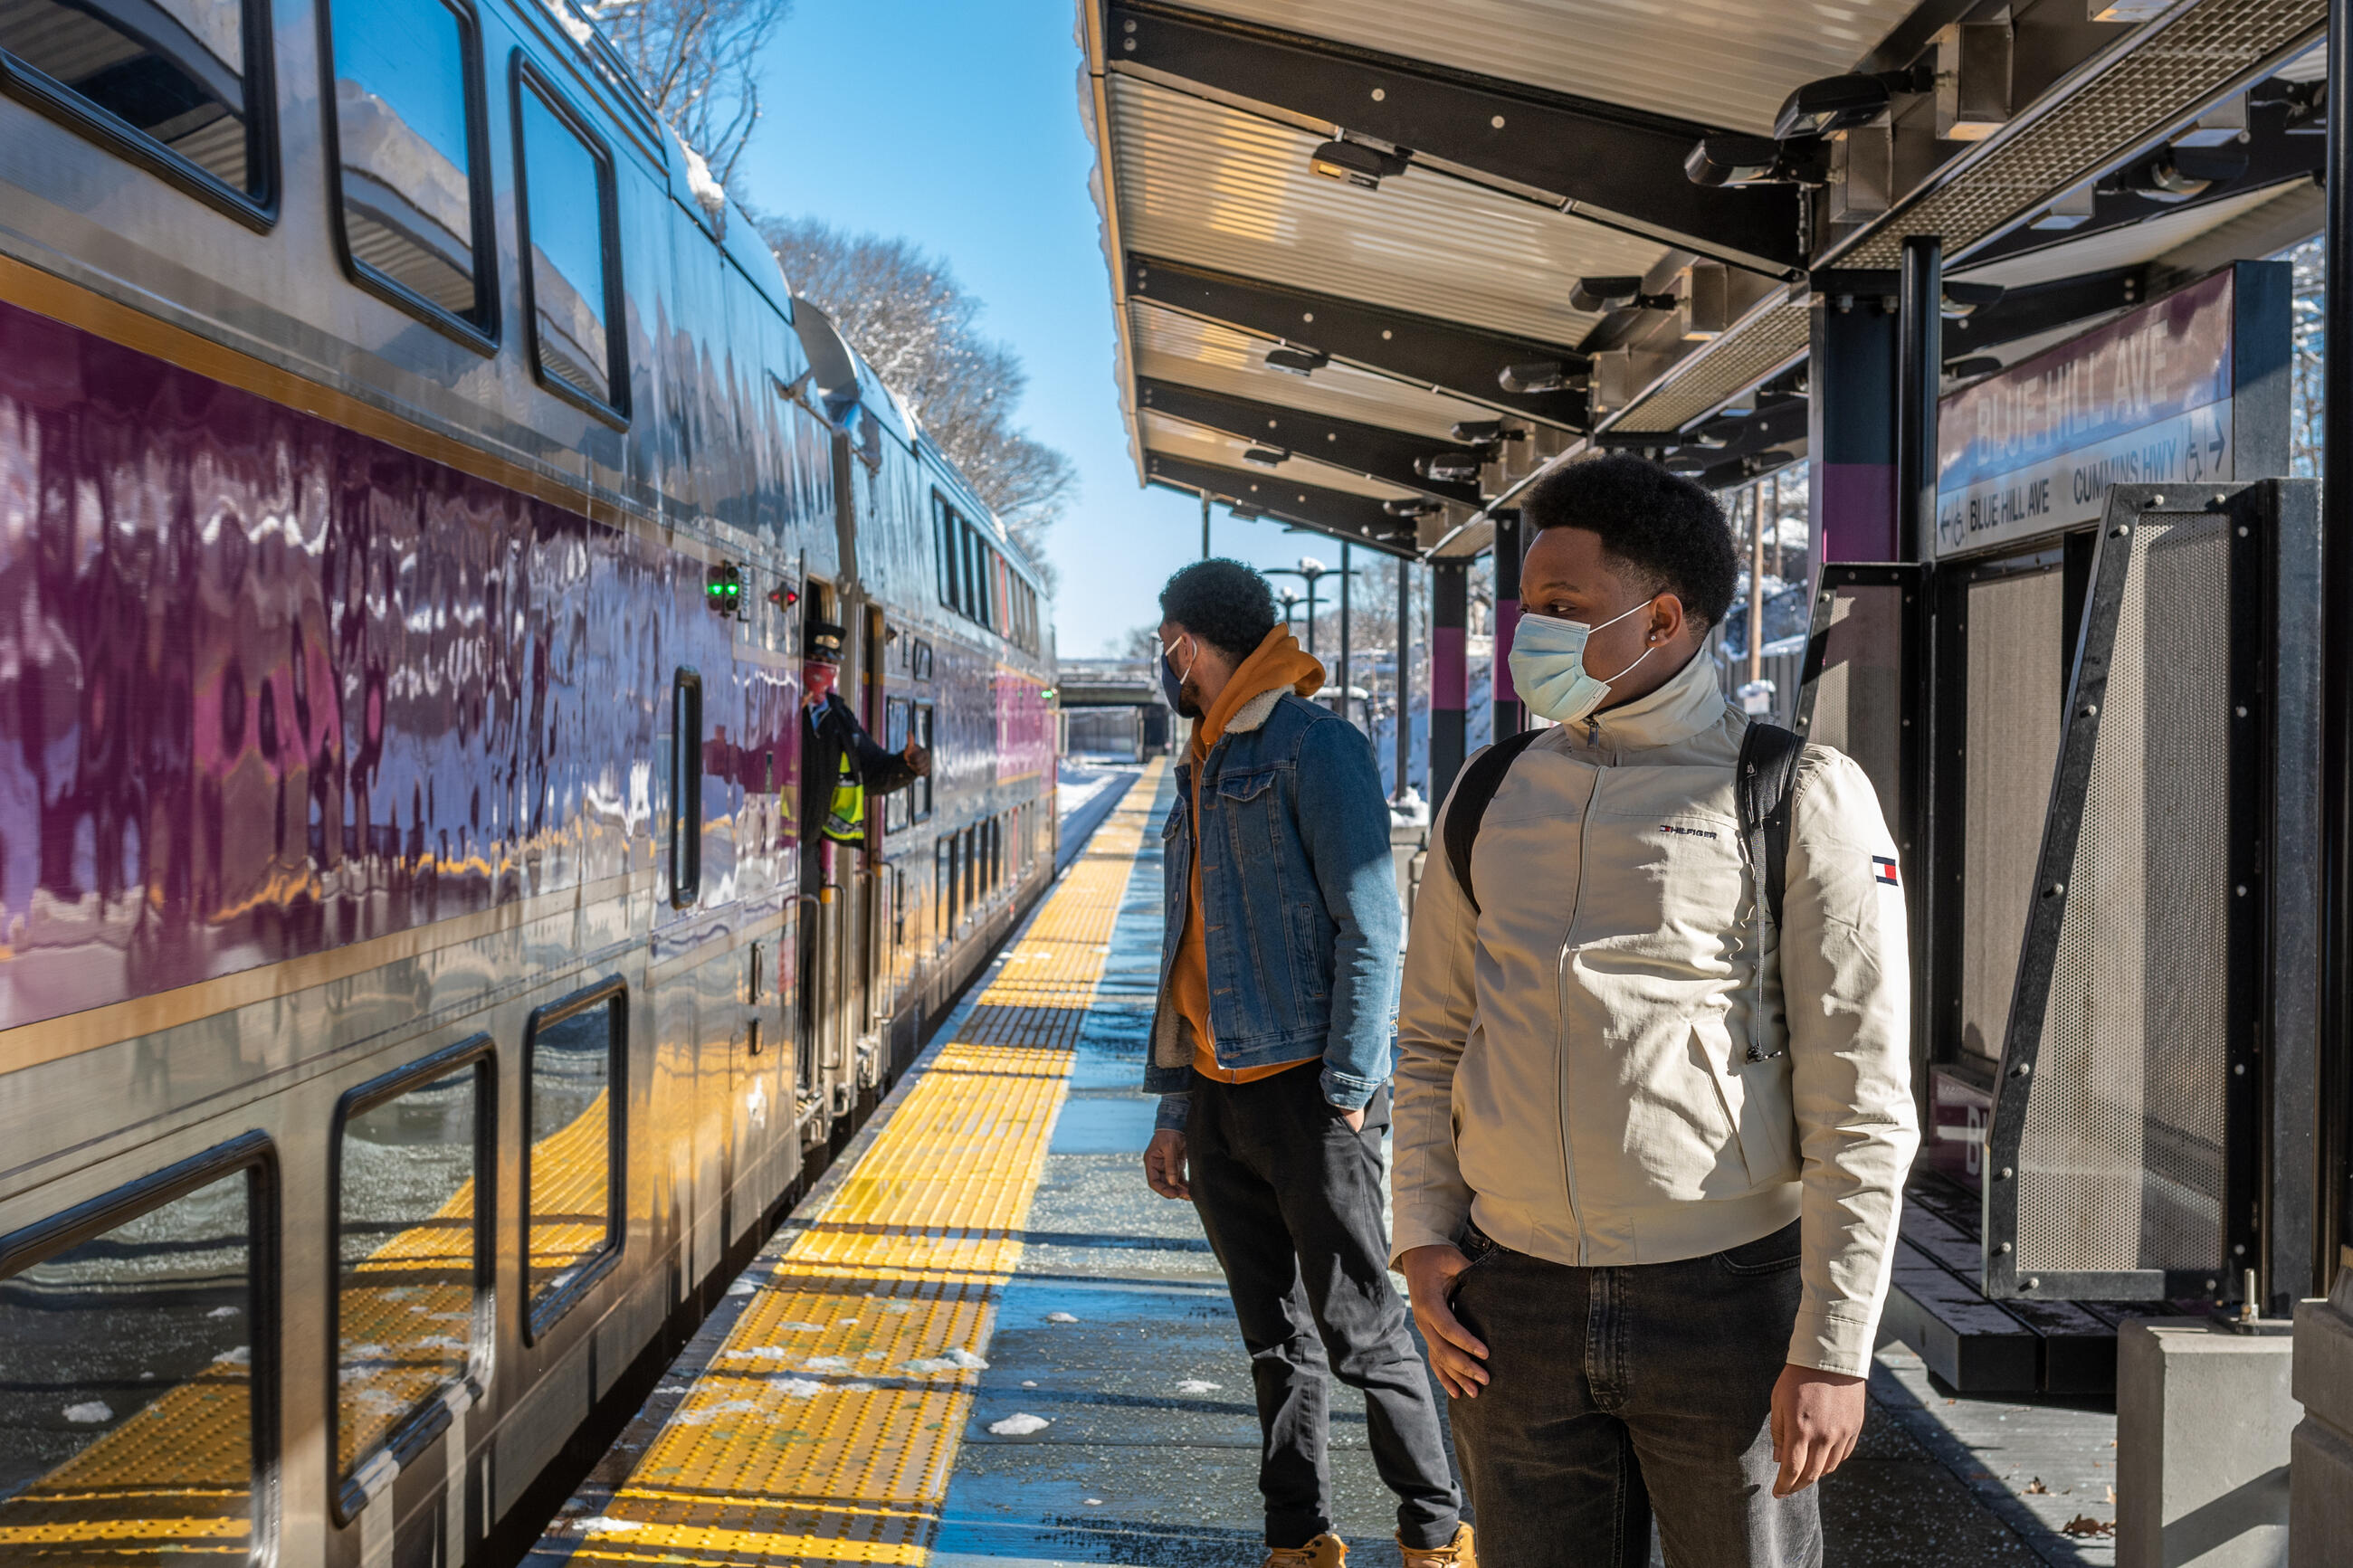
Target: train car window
(138, 1366)
(968, 570)
(944, 542)
(412, 1152)
(169, 83)
(920, 661)
(566, 198)
(574, 1055)
(407, 138)
(685, 788)
(921, 788)
(971, 839)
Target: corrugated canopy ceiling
(1518, 146)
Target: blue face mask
(1172, 682)
(1548, 666)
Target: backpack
(1763, 782)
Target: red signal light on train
(783, 598)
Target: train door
(820, 1044)
(871, 1008)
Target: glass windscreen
(571, 1112)
(173, 70)
(402, 122)
(126, 1406)
(406, 1269)
(565, 195)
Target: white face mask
(1548, 666)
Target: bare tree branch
(697, 62)
(905, 312)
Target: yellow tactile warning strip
(825, 1428)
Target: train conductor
(841, 764)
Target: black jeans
(1614, 1392)
(1292, 1202)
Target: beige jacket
(1573, 1059)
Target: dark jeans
(1616, 1393)
(1291, 1200)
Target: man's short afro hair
(1223, 603)
(1667, 530)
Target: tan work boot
(1326, 1550)
(1455, 1553)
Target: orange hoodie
(1275, 663)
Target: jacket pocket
(1311, 950)
(1756, 1100)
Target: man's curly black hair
(1665, 528)
(1223, 603)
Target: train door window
(685, 788)
(181, 87)
(574, 1055)
(407, 137)
(412, 1249)
(138, 1365)
(567, 197)
(918, 662)
(898, 806)
(947, 901)
(971, 838)
(869, 673)
(921, 788)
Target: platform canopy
(1376, 263)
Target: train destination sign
(2146, 399)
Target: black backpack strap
(1763, 782)
(1469, 806)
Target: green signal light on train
(723, 588)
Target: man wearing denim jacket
(1271, 1052)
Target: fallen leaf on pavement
(2036, 1488)
(2085, 1524)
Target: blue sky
(955, 123)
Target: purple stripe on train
(268, 686)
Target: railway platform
(982, 1341)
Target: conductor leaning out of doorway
(1270, 1050)
(1651, 1130)
(841, 764)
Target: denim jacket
(1299, 898)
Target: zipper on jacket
(1560, 1011)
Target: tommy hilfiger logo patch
(1883, 869)
(1686, 832)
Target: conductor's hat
(823, 642)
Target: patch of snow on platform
(1020, 1423)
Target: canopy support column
(1450, 673)
(1509, 548)
(1404, 677)
(1919, 376)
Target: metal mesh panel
(2121, 1153)
(2015, 695)
(1858, 695)
(2125, 101)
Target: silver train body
(417, 996)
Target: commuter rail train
(415, 991)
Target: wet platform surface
(1113, 1421)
